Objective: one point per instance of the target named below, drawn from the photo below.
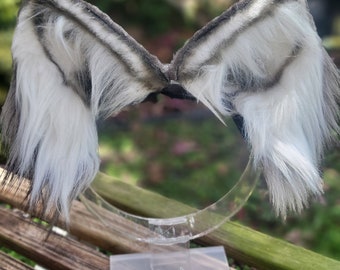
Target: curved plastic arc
(169, 231)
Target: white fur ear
(289, 126)
(72, 64)
(50, 130)
(264, 61)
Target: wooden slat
(84, 225)
(9, 263)
(55, 252)
(265, 252)
(137, 200)
(241, 243)
(87, 227)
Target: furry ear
(72, 64)
(263, 60)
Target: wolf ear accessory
(260, 60)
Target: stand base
(212, 258)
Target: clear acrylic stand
(212, 258)
(168, 239)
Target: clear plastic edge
(171, 231)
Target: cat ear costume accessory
(261, 61)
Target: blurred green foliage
(153, 16)
(8, 11)
(171, 157)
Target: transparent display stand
(168, 240)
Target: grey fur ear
(72, 64)
(264, 61)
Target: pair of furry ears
(260, 59)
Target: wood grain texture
(19, 233)
(241, 243)
(9, 263)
